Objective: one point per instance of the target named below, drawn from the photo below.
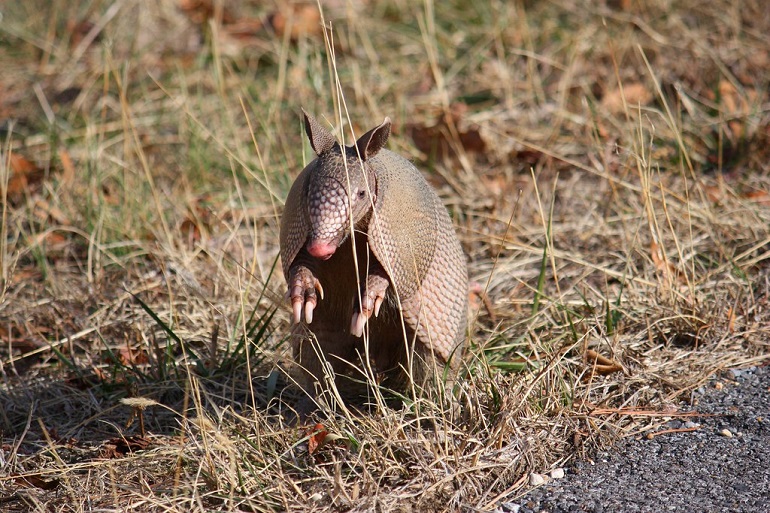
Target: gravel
(722, 466)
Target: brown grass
(622, 234)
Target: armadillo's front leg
(372, 296)
(302, 292)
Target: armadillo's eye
(361, 193)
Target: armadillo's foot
(302, 293)
(371, 301)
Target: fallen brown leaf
(51, 240)
(68, 168)
(662, 264)
(120, 447)
(601, 364)
(296, 20)
(36, 481)
(199, 11)
(45, 211)
(317, 435)
(126, 356)
(78, 30)
(760, 197)
(635, 94)
(24, 174)
(715, 193)
(449, 133)
(478, 296)
(736, 105)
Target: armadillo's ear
(374, 140)
(320, 138)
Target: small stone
(726, 433)
(316, 497)
(536, 479)
(690, 425)
(557, 473)
(718, 385)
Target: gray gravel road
(702, 471)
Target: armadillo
(376, 275)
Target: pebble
(726, 433)
(557, 473)
(690, 425)
(742, 372)
(536, 479)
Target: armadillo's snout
(328, 208)
(321, 250)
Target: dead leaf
(736, 106)
(24, 174)
(601, 364)
(200, 11)
(19, 337)
(243, 30)
(55, 436)
(68, 168)
(317, 435)
(36, 481)
(477, 296)
(731, 320)
(663, 265)
(52, 241)
(760, 197)
(120, 447)
(635, 94)
(449, 133)
(78, 30)
(128, 357)
(296, 20)
(21, 275)
(45, 212)
(190, 231)
(715, 193)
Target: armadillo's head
(342, 186)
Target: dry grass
(624, 239)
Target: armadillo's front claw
(297, 308)
(302, 293)
(371, 302)
(357, 324)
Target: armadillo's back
(412, 236)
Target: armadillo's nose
(321, 250)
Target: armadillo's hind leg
(303, 286)
(372, 296)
